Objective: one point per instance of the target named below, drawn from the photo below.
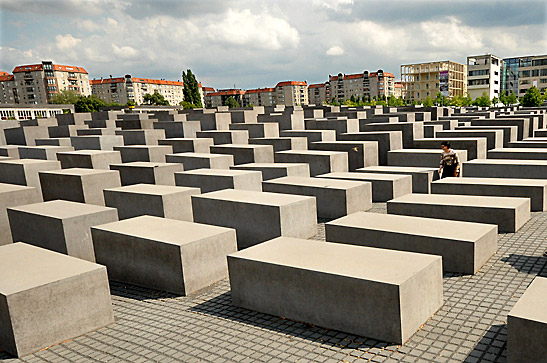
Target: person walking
(450, 163)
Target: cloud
(335, 51)
(66, 41)
(260, 31)
(124, 51)
(450, 33)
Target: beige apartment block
(218, 98)
(291, 93)
(427, 79)
(39, 83)
(484, 75)
(399, 90)
(259, 97)
(123, 89)
(8, 89)
(532, 71)
(373, 85)
(317, 93)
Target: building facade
(121, 90)
(399, 90)
(521, 73)
(39, 83)
(218, 98)
(291, 93)
(421, 80)
(259, 97)
(8, 89)
(29, 112)
(317, 93)
(373, 85)
(484, 75)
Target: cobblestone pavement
(157, 326)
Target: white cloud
(339, 6)
(335, 51)
(261, 31)
(66, 41)
(124, 51)
(452, 34)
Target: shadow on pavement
(534, 265)
(491, 347)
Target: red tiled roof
(260, 90)
(6, 77)
(354, 76)
(156, 81)
(227, 92)
(107, 80)
(208, 89)
(316, 85)
(58, 67)
(375, 74)
(3, 73)
(28, 68)
(291, 83)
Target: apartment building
(399, 90)
(484, 75)
(259, 97)
(291, 93)
(39, 83)
(373, 85)
(317, 93)
(521, 73)
(218, 98)
(124, 89)
(8, 89)
(427, 79)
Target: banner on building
(443, 83)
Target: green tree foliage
(352, 98)
(65, 97)
(187, 105)
(512, 98)
(88, 104)
(231, 102)
(191, 88)
(155, 99)
(468, 101)
(428, 102)
(482, 101)
(532, 97)
(130, 103)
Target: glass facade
(510, 75)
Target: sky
(253, 44)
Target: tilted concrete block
(276, 170)
(193, 145)
(209, 180)
(141, 172)
(360, 153)
(282, 143)
(225, 137)
(505, 168)
(11, 196)
(244, 154)
(280, 277)
(89, 159)
(421, 177)
(151, 153)
(419, 157)
(96, 142)
(320, 162)
(45, 152)
(192, 161)
(25, 171)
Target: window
(50, 81)
(524, 74)
(543, 80)
(539, 62)
(481, 72)
(535, 72)
(52, 88)
(496, 73)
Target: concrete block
(211, 121)
(96, 142)
(46, 152)
(360, 153)
(78, 184)
(282, 143)
(176, 256)
(256, 130)
(59, 141)
(226, 136)
(276, 170)
(98, 131)
(179, 129)
(340, 125)
(527, 325)
(410, 131)
(494, 138)
(209, 180)
(523, 125)
(419, 157)
(89, 159)
(25, 135)
(476, 147)
(320, 162)
(286, 120)
(387, 141)
(505, 168)
(11, 151)
(334, 198)
(59, 225)
(257, 216)
(193, 145)
(465, 247)
(47, 298)
(510, 133)
(421, 177)
(515, 153)
(280, 277)
(25, 171)
(143, 172)
(155, 200)
(535, 189)
(141, 137)
(65, 131)
(311, 135)
(152, 153)
(384, 186)
(192, 161)
(11, 196)
(508, 213)
(244, 154)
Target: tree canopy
(191, 89)
(231, 102)
(88, 104)
(65, 97)
(155, 99)
(532, 97)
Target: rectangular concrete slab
(257, 216)
(11, 196)
(89, 159)
(419, 157)
(96, 142)
(244, 154)
(421, 177)
(527, 325)
(305, 280)
(209, 180)
(320, 162)
(276, 170)
(25, 171)
(59, 225)
(335, 198)
(194, 145)
(535, 189)
(518, 153)
(384, 186)
(140, 172)
(47, 298)
(387, 141)
(152, 153)
(505, 168)
(508, 213)
(282, 143)
(465, 247)
(44, 152)
(240, 137)
(192, 161)
(176, 256)
(476, 147)
(154, 200)
(360, 153)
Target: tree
(482, 101)
(512, 98)
(503, 99)
(191, 88)
(392, 101)
(187, 105)
(89, 104)
(231, 102)
(458, 101)
(468, 101)
(155, 99)
(65, 97)
(532, 97)
(352, 98)
(428, 102)
(130, 103)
